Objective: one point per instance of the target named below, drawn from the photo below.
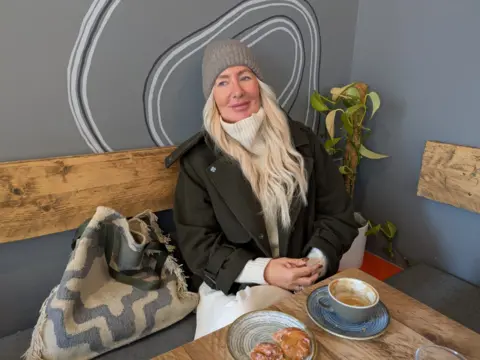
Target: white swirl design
(299, 51)
(77, 71)
(100, 12)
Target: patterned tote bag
(120, 284)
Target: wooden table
(413, 324)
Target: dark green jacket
(219, 222)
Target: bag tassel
(172, 267)
(171, 264)
(37, 347)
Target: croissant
(267, 351)
(294, 343)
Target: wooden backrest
(47, 196)
(450, 174)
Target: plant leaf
(317, 102)
(375, 99)
(373, 230)
(326, 99)
(389, 229)
(353, 109)
(330, 143)
(330, 122)
(346, 124)
(355, 118)
(345, 170)
(370, 154)
(336, 92)
(353, 92)
(352, 97)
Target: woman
(260, 208)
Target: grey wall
(72, 81)
(422, 57)
(82, 76)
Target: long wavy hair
(280, 176)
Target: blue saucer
(335, 325)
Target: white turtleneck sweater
(246, 132)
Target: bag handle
(127, 276)
(79, 232)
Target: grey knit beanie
(222, 54)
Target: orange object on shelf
(378, 267)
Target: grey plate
(373, 327)
(259, 326)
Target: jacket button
(260, 236)
(213, 169)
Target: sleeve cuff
(253, 272)
(317, 254)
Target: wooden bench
(41, 202)
(48, 196)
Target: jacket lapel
(238, 195)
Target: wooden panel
(47, 196)
(451, 174)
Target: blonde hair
(281, 176)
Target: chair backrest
(47, 196)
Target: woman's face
(237, 93)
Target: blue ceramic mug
(351, 299)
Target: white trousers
(216, 310)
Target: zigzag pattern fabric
(90, 313)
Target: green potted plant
(353, 104)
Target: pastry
(267, 351)
(294, 343)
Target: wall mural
(251, 21)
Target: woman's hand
(291, 274)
